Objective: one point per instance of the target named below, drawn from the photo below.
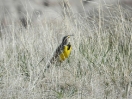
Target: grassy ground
(99, 67)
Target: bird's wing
(56, 53)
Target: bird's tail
(48, 65)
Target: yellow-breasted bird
(62, 52)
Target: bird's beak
(70, 36)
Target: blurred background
(25, 12)
(100, 64)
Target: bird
(62, 52)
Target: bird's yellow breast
(65, 54)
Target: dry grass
(99, 67)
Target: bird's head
(66, 39)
